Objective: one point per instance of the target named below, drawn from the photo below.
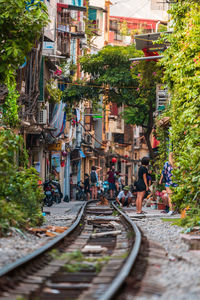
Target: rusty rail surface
(22, 261)
(121, 276)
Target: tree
(112, 73)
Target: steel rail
(21, 261)
(122, 275)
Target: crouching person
(125, 197)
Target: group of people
(91, 182)
(114, 179)
(142, 185)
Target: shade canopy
(146, 41)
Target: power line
(97, 86)
(138, 9)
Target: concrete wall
(136, 9)
(52, 10)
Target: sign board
(55, 147)
(97, 117)
(55, 161)
(48, 45)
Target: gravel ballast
(180, 272)
(20, 243)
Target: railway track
(90, 260)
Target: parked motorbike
(105, 187)
(80, 194)
(52, 192)
(57, 195)
(48, 200)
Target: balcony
(69, 21)
(63, 43)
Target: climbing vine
(10, 106)
(182, 74)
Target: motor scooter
(80, 194)
(48, 200)
(57, 195)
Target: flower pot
(153, 205)
(161, 206)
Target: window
(117, 36)
(158, 4)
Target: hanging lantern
(62, 163)
(114, 160)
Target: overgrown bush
(20, 196)
(182, 74)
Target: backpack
(93, 177)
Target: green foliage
(182, 74)
(76, 261)
(162, 28)
(147, 74)
(124, 30)
(55, 94)
(162, 135)
(10, 106)
(19, 193)
(113, 75)
(20, 26)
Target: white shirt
(122, 195)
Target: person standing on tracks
(94, 181)
(142, 185)
(168, 177)
(111, 180)
(87, 186)
(124, 197)
(71, 186)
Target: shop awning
(164, 122)
(61, 6)
(146, 43)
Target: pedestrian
(71, 186)
(149, 177)
(94, 181)
(125, 197)
(87, 186)
(167, 176)
(111, 180)
(141, 184)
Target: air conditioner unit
(109, 136)
(81, 26)
(42, 116)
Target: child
(87, 186)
